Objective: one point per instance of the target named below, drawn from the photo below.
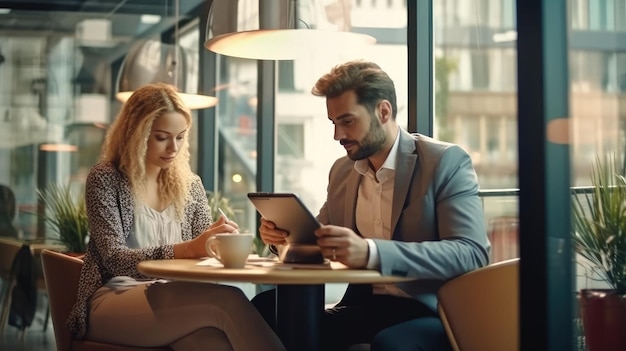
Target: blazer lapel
(405, 168)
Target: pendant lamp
(280, 29)
(149, 61)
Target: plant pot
(604, 319)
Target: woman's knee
(182, 294)
(202, 338)
(226, 292)
(212, 291)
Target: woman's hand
(222, 225)
(195, 248)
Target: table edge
(173, 269)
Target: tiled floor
(35, 338)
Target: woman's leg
(162, 313)
(197, 341)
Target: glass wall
(476, 103)
(476, 100)
(476, 87)
(59, 67)
(304, 147)
(55, 107)
(597, 54)
(58, 63)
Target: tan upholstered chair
(61, 273)
(480, 309)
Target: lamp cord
(117, 7)
(176, 52)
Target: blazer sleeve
(440, 233)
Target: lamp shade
(280, 29)
(151, 61)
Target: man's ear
(384, 111)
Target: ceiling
(54, 20)
(64, 15)
(57, 18)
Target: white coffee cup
(232, 249)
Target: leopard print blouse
(110, 209)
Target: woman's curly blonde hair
(126, 143)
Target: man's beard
(371, 144)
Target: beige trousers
(181, 315)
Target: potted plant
(216, 202)
(67, 214)
(599, 236)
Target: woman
(144, 203)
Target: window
(480, 69)
(290, 140)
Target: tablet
(289, 213)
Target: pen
(223, 214)
(226, 219)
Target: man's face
(360, 132)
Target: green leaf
(599, 223)
(67, 215)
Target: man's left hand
(343, 245)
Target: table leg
(299, 310)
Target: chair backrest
(480, 309)
(61, 273)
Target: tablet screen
(289, 213)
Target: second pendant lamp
(149, 61)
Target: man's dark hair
(370, 83)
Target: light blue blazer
(437, 217)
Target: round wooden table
(299, 291)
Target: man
(399, 203)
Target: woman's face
(165, 140)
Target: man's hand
(270, 234)
(343, 245)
